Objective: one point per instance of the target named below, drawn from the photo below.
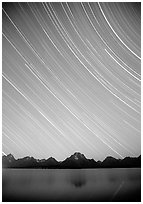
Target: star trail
(71, 79)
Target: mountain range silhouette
(75, 161)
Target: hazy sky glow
(71, 79)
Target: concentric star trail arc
(116, 33)
(71, 79)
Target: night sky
(71, 79)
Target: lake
(71, 185)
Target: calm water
(71, 185)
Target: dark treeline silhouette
(75, 161)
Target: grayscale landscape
(71, 101)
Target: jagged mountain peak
(51, 159)
(77, 160)
(10, 157)
(109, 158)
(78, 155)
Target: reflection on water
(78, 179)
(71, 185)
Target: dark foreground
(39, 185)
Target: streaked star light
(71, 79)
